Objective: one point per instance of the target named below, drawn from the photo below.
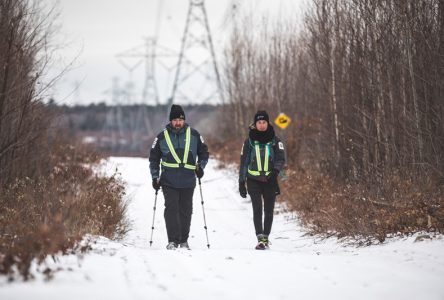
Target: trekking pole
(154, 214)
(203, 210)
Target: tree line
(363, 79)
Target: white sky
(93, 31)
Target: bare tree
(24, 55)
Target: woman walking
(262, 158)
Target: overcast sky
(93, 31)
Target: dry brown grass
(51, 213)
(353, 211)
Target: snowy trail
(296, 267)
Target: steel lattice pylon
(150, 51)
(197, 35)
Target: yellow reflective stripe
(170, 165)
(259, 162)
(174, 154)
(187, 146)
(254, 173)
(257, 173)
(258, 158)
(170, 146)
(267, 154)
(191, 167)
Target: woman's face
(261, 125)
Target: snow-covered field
(296, 266)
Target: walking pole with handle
(154, 215)
(203, 210)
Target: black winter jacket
(177, 177)
(248, 157)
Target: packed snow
(297, 266)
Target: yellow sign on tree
(282, 121)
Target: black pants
(257, 191)
(178, 211)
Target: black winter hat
(261, 115)
(177, 112)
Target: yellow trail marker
(282, 121)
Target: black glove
(156, 184)
(199, 172)
(273, 175)
(242, 189)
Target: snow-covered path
(296, 266)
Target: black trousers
(258, 190)
(178, 211)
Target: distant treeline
(126, 129)
(94, 116)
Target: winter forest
(361, 194)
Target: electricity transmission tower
(149, 52)
(140, 124)
(197, 78)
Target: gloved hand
(242, 189)
(199, 172)
(273, 175)
(156, 184)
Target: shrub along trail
(296, 267)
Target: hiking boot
(263, 241)
(184, 245)
(261, 246)
(171, 246)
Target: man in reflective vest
(174, 152)
(262, 159)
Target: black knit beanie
(177, 112)
(261, 115)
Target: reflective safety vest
(179, 163)
(259, 170)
